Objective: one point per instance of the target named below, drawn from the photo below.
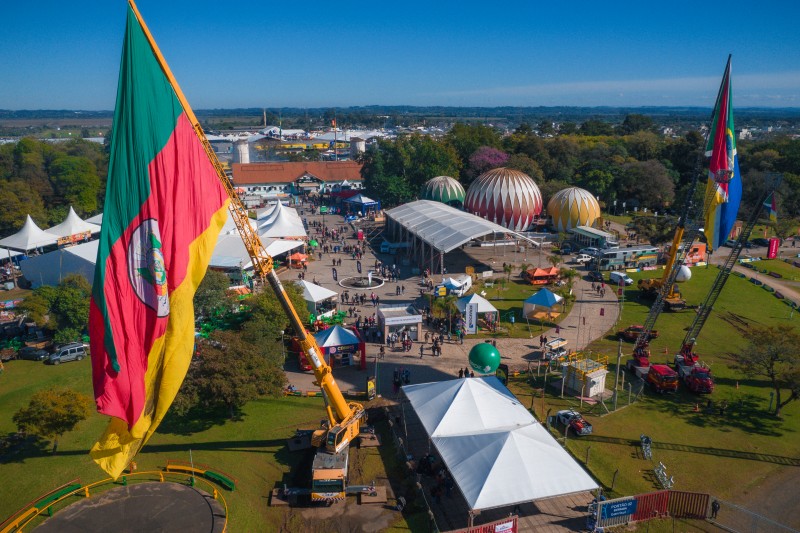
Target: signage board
(772, 250)
(472, 318)
(614, 509)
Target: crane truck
(695, 375)
(344, 419)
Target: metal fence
(685, 505)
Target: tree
(65, 307)
(212, 294)
(773, 352)
(785, 228)
(648, 182)
(466, 138)
(507, 269)
(53, 412)
(554, 260)
(486, 158)
(636, 122)
(229, 371)
(525, 164)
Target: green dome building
(444, 189)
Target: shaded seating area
(542, 276)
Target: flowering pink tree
(486, 158)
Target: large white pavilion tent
(497, 453)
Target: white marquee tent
(282, 222)
(29, 237)
(73, 225)
(497, 453)
(484, 306)
(97, 219)
(314, 295)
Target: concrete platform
(141, 507)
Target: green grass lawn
(726, 456)
(252, 449)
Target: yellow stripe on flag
(167, 361)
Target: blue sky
(65, 54)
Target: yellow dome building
(573, 207)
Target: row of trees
(641, 168)
(44, 179)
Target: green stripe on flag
(147, 110)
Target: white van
(619, 278)
(466, 285)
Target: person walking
(714, 509)
(461, 373)
(421, 350)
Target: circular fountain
(362, 282)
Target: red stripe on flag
(185, 194)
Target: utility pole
(616, 379)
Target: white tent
(230, 252)
(51, 268)
(73, 225)
(498, 454)
(6, 253)
(29, 237)
(484, 306)
(315, 293)
(282, 222)
(97, 219)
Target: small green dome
(484, 358)
(444, 189)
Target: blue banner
(614, 509)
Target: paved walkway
(591, 317)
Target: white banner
(472, 318)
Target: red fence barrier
(651, 505)
(688, 504)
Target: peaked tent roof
(315, 293)
(282, 222)
(5, 253)
(484, 306)
(97, 219)
(360, 199)
(335, 336)
(544, 298)
(72, 225)
(29, 237)
(496, 451)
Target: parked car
(594, 252)
(31, 353)
(74, 351)
(574, 420)
(619, 278)
(760, 241)
(729, 243)
(582, 258)
(595, 275)
(631, 333)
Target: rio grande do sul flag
(164, 208)
(724, 186)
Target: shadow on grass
(15, 447)
(746, 413)
(197, 420)
(719, 452)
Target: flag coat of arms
(724, 186)
(163, 211)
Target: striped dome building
(573, 207)
(505, 196)
(444, 189)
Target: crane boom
(341, 414)
(704, 311)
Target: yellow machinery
(651, 286)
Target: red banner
(772, 252)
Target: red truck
(696, 376)
(662, 378)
